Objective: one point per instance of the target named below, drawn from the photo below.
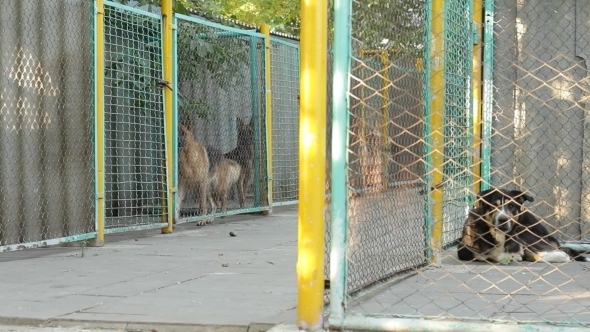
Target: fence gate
(446, 99)
(135, 153)
(46, 123)
(284, 67)
(221, 100)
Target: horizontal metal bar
(578, 246)
(135, 228)
(184, 220)
(390, 184)
(284, 42)
(131, 9)
(285, 203)
(218, 26)
(381, 323)
(46, 243)
(223, 34)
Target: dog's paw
(516, 257)
(204, 222)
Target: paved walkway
(198, 278)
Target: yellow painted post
(99, 119)
(167, 36)
(477, 101)
(385, 116)
(312, 164)
(265, 29)
(437, 96)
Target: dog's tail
(577, 255)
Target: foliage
(201, 50)
(204, 52)
(280, 15)
(135, 66)
(390, 25)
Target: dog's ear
(522, 197)
(485, 194)
(485, 197)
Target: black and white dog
(501, 229)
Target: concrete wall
(539, 125)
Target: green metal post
(255, 119)
(175, 118)
(488, 93)
(428, 214)
(340, 104)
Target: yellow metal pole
(265, 29)
(477, 101)
(437, 96)
(312, 164)
(167, 36)
(385, 116)
(99, 118)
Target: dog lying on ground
(501, 230)
(243, 154)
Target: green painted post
(428, 215)
(488, 93)
(175, 118)
(255, 119)
(340, 104)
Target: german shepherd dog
(193, 169)
(501, 229)
(205, 168)
(224, 175)
(243, 154)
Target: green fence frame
(285, 106)
(338, 317)
(153, 219)
(261, 204)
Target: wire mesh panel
(46, 118)
(386, 233)
(284, 67)
(222, 111)
(496, 234)
(457, 117)
(134, 120)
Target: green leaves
(135, 56)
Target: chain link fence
(46, 121)
(135, 159)
(284, 67)
(48, 129)
(447, 99)
(222, 120)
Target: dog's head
(245, 132)
(501, 208)
(183, 133)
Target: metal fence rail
(135, 160)
(46, 119)
(222, 110)
(487, 94)
(285, 112)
